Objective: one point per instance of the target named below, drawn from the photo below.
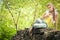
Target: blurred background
(20, 14)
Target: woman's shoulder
(56, 12)
(47, 12)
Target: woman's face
(50, 7)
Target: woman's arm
(44, 16)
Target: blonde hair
(50, 4)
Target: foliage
(25, 11)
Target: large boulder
(37, 34)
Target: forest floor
(39, 34)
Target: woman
(50, 15)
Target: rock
(37, 34)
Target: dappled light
(16, 15)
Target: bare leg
(30, 31)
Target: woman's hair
(50, 4)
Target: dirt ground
(37, 34)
